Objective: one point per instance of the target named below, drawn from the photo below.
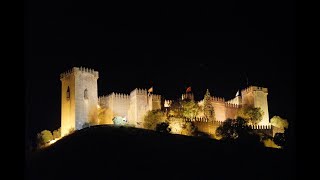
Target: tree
(120, 121)
(232, 129)
(163, 127)
(190, 108)
(185, 109)
(175, 109)
(153, 118)
(227, 130)
(44, 137)
(280, 139)
(180, 126)
(207, 107)
(56, 133)
(251, 114)
(237, 131)
(279, 122)
(188, 128)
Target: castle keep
(80, 103)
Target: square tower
(138, 106)
(79, 98)
(257, 97)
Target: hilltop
(108, 152)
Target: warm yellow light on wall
(53, 141)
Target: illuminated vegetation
(190, 109)
(45, 137)
(270, 143)
(251, 114)
(104, 116)
(174, 117)
(179, 126)
(56, 133)
(279, 122)
(172, 120)
(153, 118)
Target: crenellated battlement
(167, 103)
(121, 96)
(197, 119)
(79, 69)
(217, 99)
(189, 96)
(260, 126)
(156, 97)
(250, 126)
(117, 96)
(101, 98)
(139, 91)
(254, 88)
(231, 105)
(218, 122)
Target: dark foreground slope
(105, 152)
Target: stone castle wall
(86, 107)
(231, 110)
(219, 108)
(203, 125)
(80, 104)
(117, 103)
(133, 106)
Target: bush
(163, 127)
(44, 137)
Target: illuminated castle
(80, 103)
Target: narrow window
(85, 94)
(68, 93)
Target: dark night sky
(168, 47)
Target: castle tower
(79, 98)
(188, 95)
(154, 101)
(257, 97)
(138, 107)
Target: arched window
(68, 93)
(211, 113)
(85, 94)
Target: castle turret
(257, 97)
(79, 98)
(188, 95)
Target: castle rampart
(79, 69)
(80, 102)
